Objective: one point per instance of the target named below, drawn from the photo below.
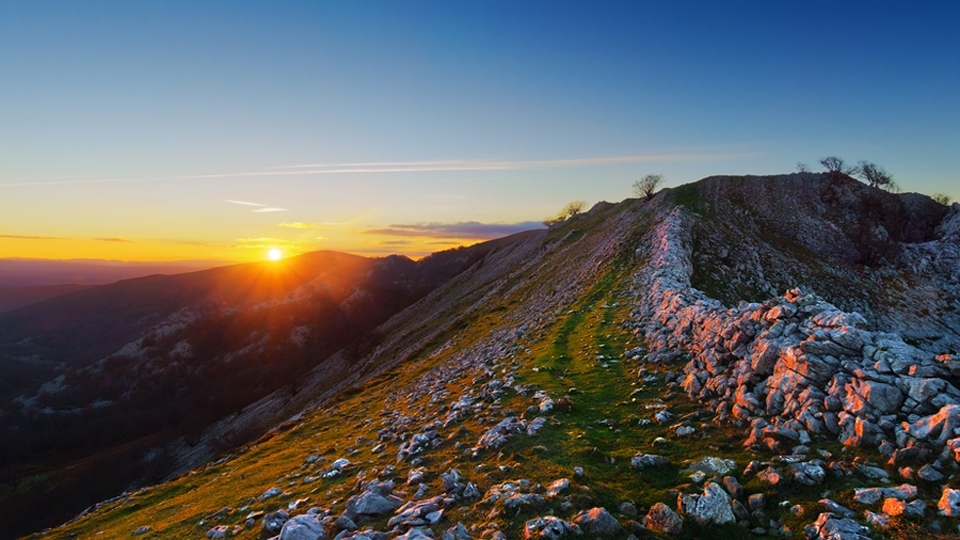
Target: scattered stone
(142, 530)
(769, 476)
(303, 527)
(929, 474)
(550, 527)
(597, 522)
(641, 460)
(683, 431)
(627, 508)
(836, 508)
(663, 417)
(733, 487)
(877, 520)
(415, 476)
(457, 532)
(829, 527)
(868, 495)
(370, 503)
(904, 492)
(497, 436)
(272, 492)
(218, 532)
(897, 507)
(756, 502)
(273, 522)
(713, 506)
(662, 519)
(536, 425)
(554, 489)
(712, 466)
(949, 503)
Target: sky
(217, 130)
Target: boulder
(368, 503)
(303, 527)
(597, 522)
(881, 520)
(808, 473)
(550, 527)
(641, 460)
(273, 522)
(830, 527)
(713, 506)
(949, 503)
(662, 519)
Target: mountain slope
(696, 353)
(105, 379)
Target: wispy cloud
(20, 237)
(260, 208)
(385, 167)
(113, 240)
(244, 203)
(299, 225)
(466, 229)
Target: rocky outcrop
(793, 367)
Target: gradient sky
(214, 130)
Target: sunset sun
(274, 254)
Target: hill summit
(739, 357)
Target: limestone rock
(641, 460)
(830, 527)
(808, 473)
(713, 506)
(303, 527)
(273, 522)
(949, 503)
(597, 522)
(550, 527)
(663, 520)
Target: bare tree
(875, 176)
(570, 210)
(833, 164)
(647, 186)
(942, 198)
(802, 167)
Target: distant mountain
(17, 272)
(733, 358)
(16, 297)
(120, 369)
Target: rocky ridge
(486, 437)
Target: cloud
(113, 240)
(244, 203)
(384, 167)
(19, 237)
(260, 208)
(299, 225)
(394, 242)
(465, 229)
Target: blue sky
(140, 121)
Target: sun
(274, 254)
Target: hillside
(102, 386)
(739, 357)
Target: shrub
(647, 186)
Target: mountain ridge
(581, 378)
